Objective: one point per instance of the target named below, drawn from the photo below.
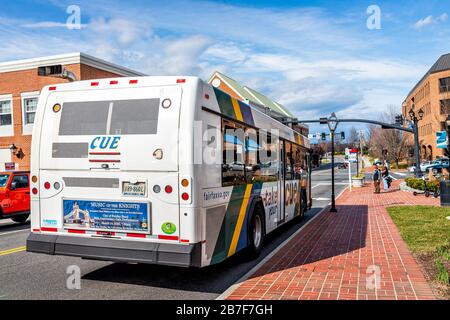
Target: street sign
(441, 139)
(352, 158)
(10, 166)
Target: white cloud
(424, 22)
(126, 31)
(53, 24)
(429, 20)
(303, 58)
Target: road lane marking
(329, 184)
(13, 250)
(400, 174)
(11, 232)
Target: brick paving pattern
(337, 254)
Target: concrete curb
(252, 271)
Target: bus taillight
(35, 191)
(168, 189)
(185, 196)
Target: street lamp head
(411, 114)
(421, 114)
(332, 122)
(447, 122)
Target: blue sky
(312, 56)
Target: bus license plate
(133, 189)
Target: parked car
(437, 164)
(15, 196)
(424, 165)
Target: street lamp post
(447, 127)
(415, 119)
(332, 125)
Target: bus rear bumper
(117, 250)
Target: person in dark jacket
(376, 177)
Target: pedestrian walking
(386, 178)
(376, 177)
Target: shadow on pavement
(14, 226)
(214, 279)
(331, 235)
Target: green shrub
(418, 184)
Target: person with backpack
(376, 177)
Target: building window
(30, 106)
(444, 84)
(445, 106)
(5, 113)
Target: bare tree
(394, 142)
(353, 138)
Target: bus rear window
(84, 118)
(109, 117)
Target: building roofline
(65, 59)
(442, 64)
(221, 76)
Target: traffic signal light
(342, 135)
(324, 136)
(399, 119)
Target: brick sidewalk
(329, 258)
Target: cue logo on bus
(105, 143)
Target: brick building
(19, 91)
(432, 95)
(255, 99)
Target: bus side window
(233, 171)
(261, 157)
(289, 163)
(298, 163)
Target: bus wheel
(256, 232)
(20, 219)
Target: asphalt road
(34, 276)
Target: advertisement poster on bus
(106, 215)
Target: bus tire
(256, 233)
(20, 219)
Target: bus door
(281, 185)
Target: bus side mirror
(13, 186)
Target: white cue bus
(160, 170)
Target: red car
(15, 196)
